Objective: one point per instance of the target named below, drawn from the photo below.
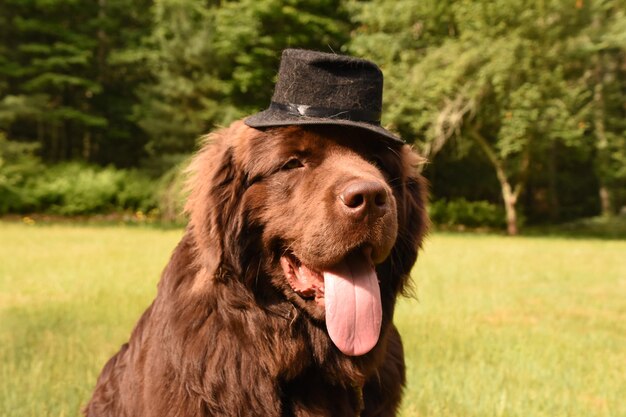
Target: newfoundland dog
(279, 299)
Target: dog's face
(330, 217)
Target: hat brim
(275, 118)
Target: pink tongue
(353, 308)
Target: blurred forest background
(518, 105)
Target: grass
(517, 327)
(527, 326)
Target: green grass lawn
(501, 327)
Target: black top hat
(325, 89)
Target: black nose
(364, 197)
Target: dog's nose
(364, 197)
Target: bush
(461, 212)
(17, 165)
(27, 186)
(74, 188)
(138, 192)
(171, 193)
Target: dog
(279, 299)
(305, 220)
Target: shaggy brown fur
(227, 335)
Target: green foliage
(460, 212)
(214, 62)
(491, 66)
(510, 77)
(60, 85)
(537, 89)
(171, 193)
(17, 165)
(75, 188)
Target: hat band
(356, 115)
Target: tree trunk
(103, 41)
(510, 199)
(598, 114)
(605, 200)
(54, 141)
(86, 145)
(509, 196)
(553, 194)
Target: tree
(58, 85)
(600, 55)
(496, 75)
(47, 75)
(183, 91)
(214, 62)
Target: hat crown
(330, 81)
(317, 88)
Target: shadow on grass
(98, 220)
(603, 228)
(607, 228)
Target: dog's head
(329, 218)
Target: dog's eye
(293, 163)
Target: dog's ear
(216, 184)
(412, 216)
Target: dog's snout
(364, 197)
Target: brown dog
(279, 299)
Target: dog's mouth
(348, 291)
